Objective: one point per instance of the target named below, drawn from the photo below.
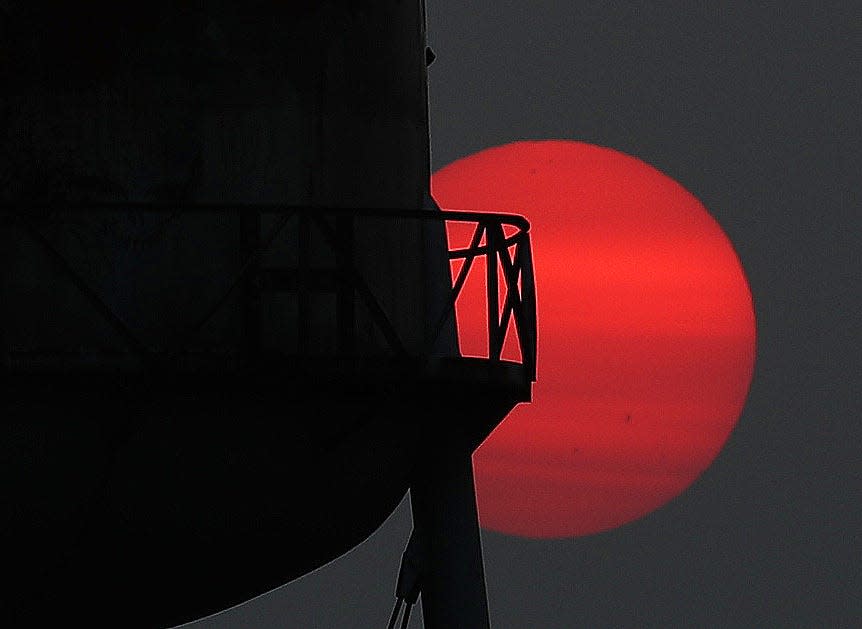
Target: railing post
(250, 224)
(495, 347)
(302, 296)
(346, 295)
(528, 301)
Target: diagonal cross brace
(113, 319)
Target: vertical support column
(302, 289)
(5, 259)
(250, 222)
(443, 500)
(495, 340)
(345, 304)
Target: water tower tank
(227, 329)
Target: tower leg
(443, 500)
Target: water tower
(228, 340)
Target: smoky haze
(756, 111)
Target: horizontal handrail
(514, 220)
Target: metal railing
(509, 282)
(508, 258)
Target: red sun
(646, 338)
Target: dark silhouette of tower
(227, 333)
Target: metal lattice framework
(509, 281)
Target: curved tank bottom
(151, 502)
